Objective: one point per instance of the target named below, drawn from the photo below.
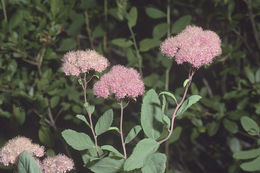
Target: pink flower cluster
(58, 164)
(76, 62)
(14, 147)
(121, 81)
(193, 45)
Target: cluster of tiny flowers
(121, 81)
(14, 147)
(193, 45)
(57, 164)
(76, 62)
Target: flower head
(14, 147)
(193, 45)
(57, 164)
(76, 62)
(121, 81)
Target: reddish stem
(121, 129)
(178, 106)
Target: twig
(178, 106)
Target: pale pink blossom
(76, 62)
(121, 81)
(14, 147)
(57, 164)
(193, 45)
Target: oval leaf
(169, 94)
(154, 13)
(132, 17)
(252, 165)
(180, 24)
(249, 125)
(108, 165)
(249, 154)
(188, 103)
(156, 163)
(160, 30)
(78, 141)
(148, 43)
(122, 42)
(133, 133)
(141, 152)
(27, 164)
(113, 150)
(104, 122)
(151, 115)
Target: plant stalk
(178, 106)
(121, 128)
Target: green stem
(140, 60)
(4, 9)
(105, 36)
(91, 40)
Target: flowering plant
(192, 46)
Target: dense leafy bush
(37, 100)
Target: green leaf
(19, 115)
(185, 83)
(148, 43)
(115, 129)
(156, 163)
(176, 133)
(248, 154)
(90, 108)
(251, 165)
(78, 141)
(257, 75)
(160, 30)
(249, 125)
(250, 75)
(5, 114)
(180, 24)
(46, 136)
(151, 115)
(154, 13)
(231, 126)
(107, 164)
(56, 6)
(188, 103)
(133, 133)
(67, 44)
(132, 17)
(83, 118)
(212, 128)
(122, 42)
(141, 152)
(104, 122)
(54, 101)
(27, 164)
(234, 144)
(151, 80)
(113, 150)
(16, 19)
(169, 94)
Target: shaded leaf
(122, 42)
(248, 154)
(148, 43)
(132, 17)
(113, 150)
(180, 24)
(249, 125)
(188, 103)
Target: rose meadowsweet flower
(76, 62)
(121, 81)
(193, 45)
(57, 164)
(14, 147)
